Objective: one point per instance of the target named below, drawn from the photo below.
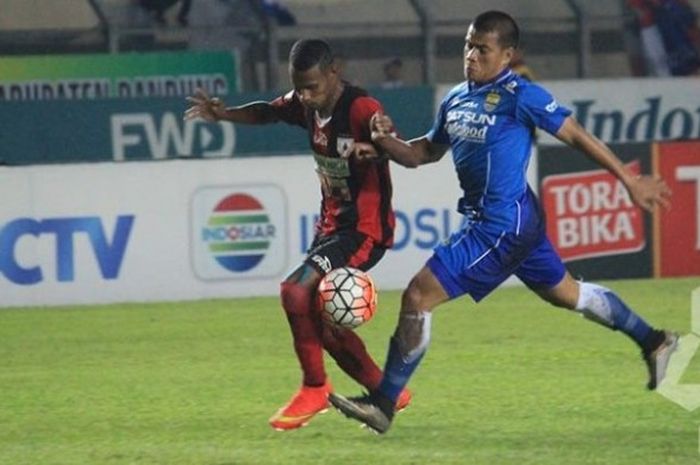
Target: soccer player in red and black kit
(356, 225)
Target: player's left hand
(649, 191)
(361, 151)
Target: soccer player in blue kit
(488, 122)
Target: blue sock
(603, 306)
(626, 320)
(397, 371)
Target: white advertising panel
(633, 110)
(188, 229)
(242, 230)
(628, 110)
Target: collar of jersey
(321, 122)
(497, 80)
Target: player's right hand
(380, 126)
(361, 151)
(205, 107)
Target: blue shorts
(475, 261)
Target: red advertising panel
(678, 235)
(590, 214)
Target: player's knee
(329, 338)
(412, 297)
(296, 298)
(563, 295)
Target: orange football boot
(403, 400)
(306, 403)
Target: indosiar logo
(23, 248)
(239, 232)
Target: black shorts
(347, 248)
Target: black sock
(653, 340)
(385, 404)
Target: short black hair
(307, 53)
(501, 23)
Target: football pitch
(508, 381)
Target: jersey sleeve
(438, 133)
(361, 112)
(537, 108)
(289, 109)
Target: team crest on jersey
(492, 101)
(320, 138)
(343, 144)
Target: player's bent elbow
(409, 163)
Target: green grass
(508, 381)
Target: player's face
(315, 87)
(484, 58)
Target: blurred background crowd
(403, 42)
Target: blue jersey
(490, 129)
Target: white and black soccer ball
(347, 297)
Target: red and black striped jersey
(356, 195)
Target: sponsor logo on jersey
(323, 262)
(332, 167)
(470, 125)
(343, 143)
(468, 104)
(552, 106)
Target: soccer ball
(347, 297)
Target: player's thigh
(304, 275)
(564, 294)
(544, 273)
(475, 262)
(350, 248)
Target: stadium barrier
(124, 129)
(162, 230)
(150, 231)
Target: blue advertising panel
(35, 132)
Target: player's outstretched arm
(646, 191)
(410, 154)
(213, 109)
